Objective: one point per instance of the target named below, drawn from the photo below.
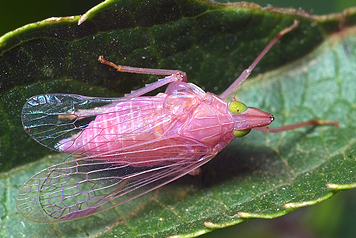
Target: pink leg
(247, 72)
(296, 125)
(174, 76)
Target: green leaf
(213, 43)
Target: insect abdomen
(122, 125)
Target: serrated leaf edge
(335, 186)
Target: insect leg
(174, 76)
(296, 125)
(247, 71)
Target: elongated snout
(252, 118)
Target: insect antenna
(247, 71)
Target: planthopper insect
(121, 148)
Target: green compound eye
(237, 107)
(241, 133)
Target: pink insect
(121, 148)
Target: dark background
(16, 13)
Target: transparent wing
(53, 119)
(81, 187)
(50, 118)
